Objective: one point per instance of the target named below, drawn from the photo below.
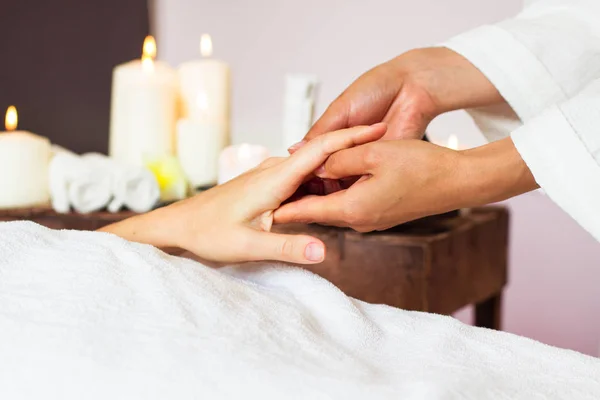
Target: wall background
(554, 293)
(57, 64)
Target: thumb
(297, 249)
(355, 161)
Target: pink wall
(555, 267)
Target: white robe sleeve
(561, 147)
(544, 56)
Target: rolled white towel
(89, 185)
(78, 183)
(138, 189)
(90, 191)
(64, 167)
(133, 187)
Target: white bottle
(298, 106)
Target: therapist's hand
(232, 222)
(407, 92)
(403, 180)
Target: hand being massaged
(232, 222)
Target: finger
(311, 156)
(355, 161)
(328, 210)
(297, 249)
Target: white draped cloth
(87, 315)
(546, 64)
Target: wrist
(492, 173)
(450, 80)
(154, 228)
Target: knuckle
(286, 248)
(326, 144)
(372, 157)
(353, 214)
(331, 164)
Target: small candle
(198, 146)
(205, 87)
(143, 108)
(452, 142)
(24, 161)
(235, 160)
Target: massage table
(87, 315)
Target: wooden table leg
(488, 313)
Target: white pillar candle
(24, 160)
(205, 87)
(235, 160)
(143, 109)
(198, 146)
(205, 106)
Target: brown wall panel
(56, 60)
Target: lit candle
(204, 130)
(24, 160)
(198, 146)
(205, 87)
(452, 142)
(235, 160)
(143, 109)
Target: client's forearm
(153, 228)
(492, 173)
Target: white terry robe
(546, 64)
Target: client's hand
(231, 222)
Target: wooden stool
(437, 265)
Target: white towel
(93, 181)
(64, 167)
(89, 315)
(133, 187)
(91, 190)
(75, 182)
(138, 189)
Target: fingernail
(296, 146)
(314, 252)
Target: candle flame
(148, 54)
(206, 47)
(12, 118)
(149, 48)
(452, 142)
